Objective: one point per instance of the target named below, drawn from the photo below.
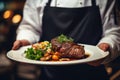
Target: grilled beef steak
(68, 49)
(65, 46)
(76, 51)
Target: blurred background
(10, 17)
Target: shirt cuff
(27, 35)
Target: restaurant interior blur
(10, 17)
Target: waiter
(86, 21)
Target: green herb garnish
(62, 38)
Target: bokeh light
(7, 14)
(16, 18)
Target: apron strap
(49, 1)
(93, 2)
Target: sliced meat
(64, 50)
(65, 46)
(55, 44)
(76, 51)
(68, 49)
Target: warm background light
(16, 18)
(7, 14)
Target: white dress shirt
(31, 25)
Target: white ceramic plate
(94, 52)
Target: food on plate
(61, 48)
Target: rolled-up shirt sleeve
(112, 37)
(111, 34)
(30, 26)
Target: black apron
(84, 26)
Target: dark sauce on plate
(86, 56)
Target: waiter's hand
(18, 43)
(104, 47)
